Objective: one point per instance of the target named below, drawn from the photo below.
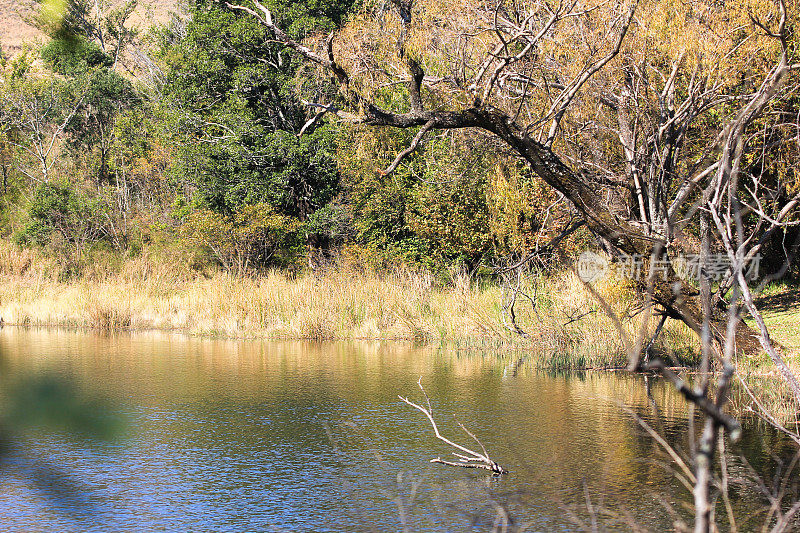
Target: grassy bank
(780, 306)
(566, 327)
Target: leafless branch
(466, 459)
(411, 147)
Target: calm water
(261, 436)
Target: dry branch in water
(467, 459)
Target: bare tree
(38, 113)
(512, 71)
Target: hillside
(15, 31)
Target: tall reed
(566, 327)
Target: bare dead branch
(411, 147)
(466, 459)
(564, 100)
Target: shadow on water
(41, 402)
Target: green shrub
(62, 212)
(254, 237)
(73, 56)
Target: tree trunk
(689, 311)
(623, 238)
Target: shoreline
(337, 304)
(250, 337)
(567, 330)
(468, 344)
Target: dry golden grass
(780, 305)
(567, 329)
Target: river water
(293, 436)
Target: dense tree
(73, 216)
(459, 201)
(92, 129)
(232, 92)
(104, 93)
